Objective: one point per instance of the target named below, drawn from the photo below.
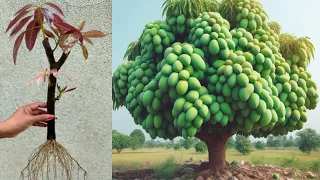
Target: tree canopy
(137, 133)
(309, 140)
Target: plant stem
(52, 86)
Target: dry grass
(143, 158)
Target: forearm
(3, 133)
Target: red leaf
(84, 52)
(71, 89)
(48, 33)
(32, 31)
(65, 27)
(57, 8)
(16, 19)
(94, 34)
(24, 8)
(87, 40)
(56, 18)
(16, 47)
(20, 25)
(36, 16)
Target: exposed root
(51, 161)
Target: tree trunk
(119, 150)
(216, 149)
(217, 153)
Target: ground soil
(246, 171)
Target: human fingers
(38, 112)
(37, 105)
(42, 117)
(39, 124)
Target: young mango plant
(47, 21)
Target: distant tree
(170, 144)
(177, 146)
(270, 141)
(243, 145)
(260, 145)
(289, 143)
(137, 133)
(291, 138)
(120, 141)
(230, 143)
(134, 143)
(277, 142)
(284, 138)
(201, 147)
(188, 143)
(150, 144)
(309, 140)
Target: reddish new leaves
(64, 34)
(32, 31)
(94, 34)
(57, 8)
(20, 25)
(16, 47)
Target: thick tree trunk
(119, 150)
(217, 153)
(216, 149)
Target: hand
(23, 118)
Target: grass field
(142, 158)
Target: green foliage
(235, 164)
(258, 160)
(188, 143)
(120, 141)
(315, 166)
(167, 169)
(260, 145)
(189, 8)
(289, 161)
(134, 143)
(270, 141)
(177, 146)
(201, 147)
(150, 144)
(243, 145)
(277, 143)
(289, 143)
(230, 143)
(137, 133)
(309, 140)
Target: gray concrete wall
(84, 115)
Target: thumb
(42, 118)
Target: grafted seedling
(51, 160)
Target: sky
(129, 17)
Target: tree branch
(49, 52)
(62, 59)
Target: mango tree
(211, 70)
